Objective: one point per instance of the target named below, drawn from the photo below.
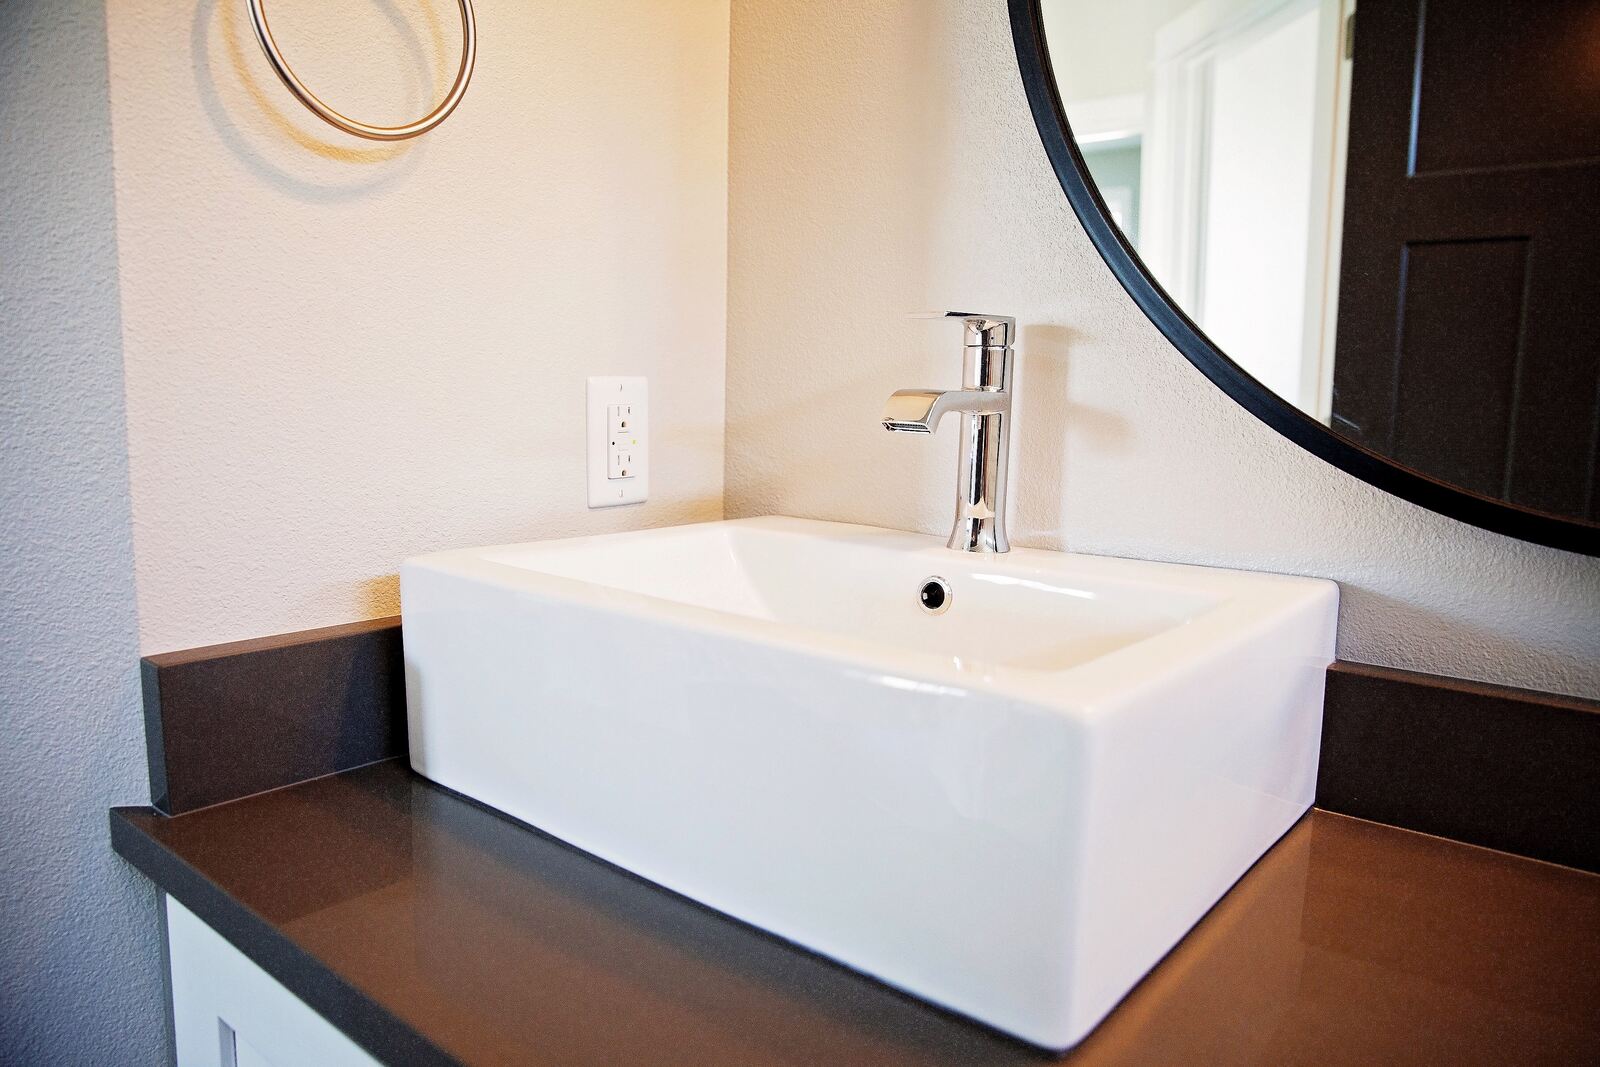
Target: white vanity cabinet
(228, 1012)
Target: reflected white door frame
(1177, 165)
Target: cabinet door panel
(228, 1012)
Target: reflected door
(1469, 299)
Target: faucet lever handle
(982, 331)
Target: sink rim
(1248, 602)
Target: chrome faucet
(985, 401)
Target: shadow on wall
(1051, 423)
(255, 116)
(377, 597)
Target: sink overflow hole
(935, 595)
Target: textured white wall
(882, 160)
(80, 955)
(339, 354)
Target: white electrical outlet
(619, 454)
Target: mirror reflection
(1391, 221)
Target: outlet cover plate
(604, 394)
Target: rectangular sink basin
(1013, 806)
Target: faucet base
(980, 524)
(979, 535)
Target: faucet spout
(919, 410)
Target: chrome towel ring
(469, 54)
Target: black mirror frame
(1038, 78)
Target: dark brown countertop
(434, 931)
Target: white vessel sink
(1013, 808)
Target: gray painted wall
(80, 957)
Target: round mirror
(1381, 234)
